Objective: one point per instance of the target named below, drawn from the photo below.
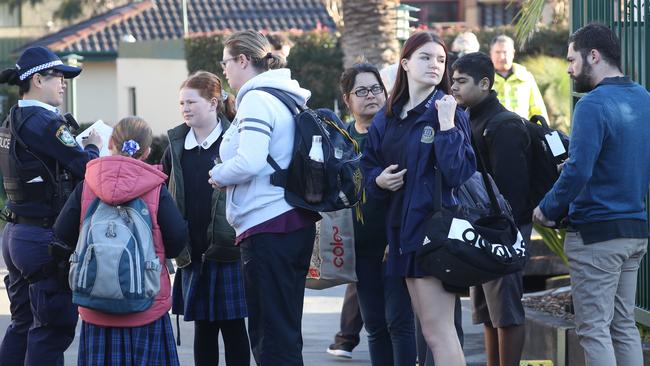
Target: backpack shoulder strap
(284, 98)
(290, 103)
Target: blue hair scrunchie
(130, 147)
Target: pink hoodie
(115, 180)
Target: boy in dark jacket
(502, 141)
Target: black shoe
(339, 350)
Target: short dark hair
(478, 65)
(596, 36)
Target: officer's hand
(446, 111)
(389, 180)
(94, 139)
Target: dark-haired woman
(36, 146)
(383, 300)
(210, 289)
(420, 131)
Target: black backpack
(544, 164)
(337, 180)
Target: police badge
(65, 136)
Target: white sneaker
(339, 353)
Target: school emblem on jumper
(64, 135)
(427, 135)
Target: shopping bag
(333, 260)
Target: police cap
(37, 59)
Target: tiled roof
(163, 19)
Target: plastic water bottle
(316, 171)
(316, 151)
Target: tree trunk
(369, 30)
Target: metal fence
(627, 19)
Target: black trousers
(275, 267)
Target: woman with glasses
(383, 301)
(421, 131)
(276, 239)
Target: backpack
(544, 157)
(338, 177)
(114, 268)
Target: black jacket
(504, 143)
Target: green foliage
(554, 240)
(68, 10)
(527, 19)
(555, 86)
(315, 61)
(551, 41)
(204, 53)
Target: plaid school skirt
(214, 292)
(148, 345)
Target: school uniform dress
(142, 338)
(210, 289)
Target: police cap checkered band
(38, 68)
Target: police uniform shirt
(47, 135)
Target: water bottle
(316, 151)
(316, 171)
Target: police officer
(40, 162)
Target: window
(493, 15)
(9, 18)
(436, 11)
(133, 110)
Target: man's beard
(582, 82)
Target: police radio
(71, 122)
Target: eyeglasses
(52, 74)
(363, 92)
(223, 63)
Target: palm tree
(530, 15)
(369, 31)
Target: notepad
(104, 132)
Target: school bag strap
(294, 108)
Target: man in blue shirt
(603, 185)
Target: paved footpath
(320, 322)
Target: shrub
(555, 86)
(550, 41)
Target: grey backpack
(114, 268)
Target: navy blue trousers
(387, 314)
(275, 268)
(43, 318)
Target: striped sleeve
(255, 125)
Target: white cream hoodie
(262, 126)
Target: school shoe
(339, 350)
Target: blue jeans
(387, 314)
